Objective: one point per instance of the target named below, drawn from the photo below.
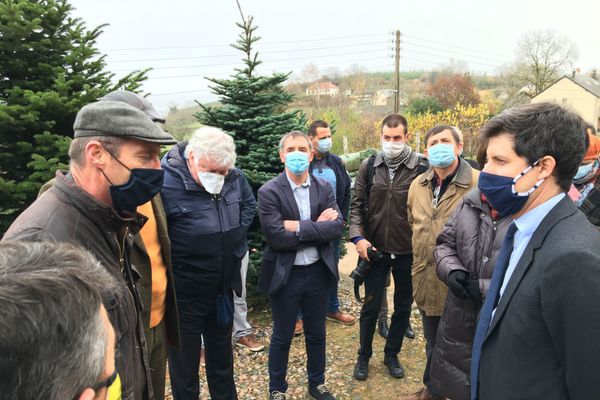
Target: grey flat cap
(115, 118)
(137, 101)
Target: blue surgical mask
(585, 172)
(296, 162)
(324, 145)
(501, 194)
(441, 155)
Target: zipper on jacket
(217, 199)
(128, 274)
(389, 201)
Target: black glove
(472, 288)
(456, 281)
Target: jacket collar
(463, 176)
(283, 180)
(175, 162)
(473, 199)
(565, 208)
(288, 193)
(100, 213)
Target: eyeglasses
(436, 196)
(106, 383)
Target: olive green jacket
(427, 222)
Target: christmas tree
(49, 69)
(253, 109)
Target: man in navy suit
(537, 335)
(300, 219)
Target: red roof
(322, 86)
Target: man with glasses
(114, 168)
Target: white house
(580, 93)
(322, 89)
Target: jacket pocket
(232, 208)
(194, 218)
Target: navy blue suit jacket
(276, 203)
(543, 340)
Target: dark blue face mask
(143, 184)
(501, 194)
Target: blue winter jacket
(208, 232)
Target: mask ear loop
(522, 174)
(119, 161)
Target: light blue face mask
(296, 162)
(584, 170)
(441, 155)
(324, 145)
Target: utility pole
(397, 75)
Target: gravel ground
(251, 374)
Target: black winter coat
(470, 241)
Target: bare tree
(542, 56)
(310, 73)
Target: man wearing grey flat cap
(114, 168)
(136, 100)
(151, 256)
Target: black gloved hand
(456, 281)
(472, 288)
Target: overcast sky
(186, 40)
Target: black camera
(362, 269)
(363, 266)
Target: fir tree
(253, 109)
(49, 69)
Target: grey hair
(77, 148)
(212, 143)
(460, 134)
(52, 336)
(294, 134)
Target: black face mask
(143, 184)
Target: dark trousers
(156, 341)
(374, 288)
(430, 327)
(307, 288)
(383, 312)
(334, 301)
(184, 364)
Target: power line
(238, 54)
(438, 56)
(458, 47)
(453, 52)
(240, 63)
(262, 43)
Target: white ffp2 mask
(213, 183)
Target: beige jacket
(427, 222)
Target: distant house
(580, 93)
(322, 89)
(383, 97)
